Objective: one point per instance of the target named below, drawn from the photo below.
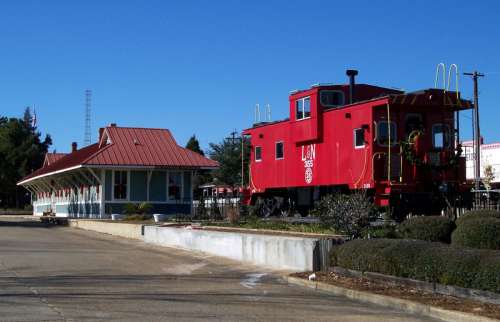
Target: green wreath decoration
(411, 155)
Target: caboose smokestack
(352, 74)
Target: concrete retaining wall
(277, 252)
(133, 231)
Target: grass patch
(281, 226)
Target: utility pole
(477, 134)
(87, 140)
(234, 140)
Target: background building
(490, 155)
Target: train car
(401, 148)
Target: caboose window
(331, 98)
(303, 108)
(413, 122)
(383, 133)
(279, 150)
(258, 153)
(440, 136)
(359, 138)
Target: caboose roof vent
(352, 75)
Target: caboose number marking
(308, 156)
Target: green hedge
(478, 232)
(422, 260)
(475, 214)
(430, 228)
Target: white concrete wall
(133, 231)
(277, 252)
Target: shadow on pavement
(15, 222)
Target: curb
(392, 302)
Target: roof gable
(52, 157)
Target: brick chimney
(74, 147)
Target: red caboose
(399, 147)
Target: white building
(490, 155)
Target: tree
(489, 176)
(228, 153)
(194, 145)
(346, 213)
(203, 176)
(21, 152)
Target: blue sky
(199, 67)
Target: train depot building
(126, 165)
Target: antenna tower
(88, 137)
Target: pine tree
(194, 145)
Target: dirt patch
(407, 293)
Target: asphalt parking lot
(64, 274)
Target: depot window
(120, 185)
(174, 185)
(440, 136)
(359, 138)
(279, 150)
(383, 131)
(258, 153)
(303, 108)
(331, 98)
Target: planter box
(122, 229)
(116, 217)
(272, 251)
(160, 217)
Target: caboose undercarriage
(401, 203)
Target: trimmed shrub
(475, 214)
(480, 232)
(422, 260)
(429, 228)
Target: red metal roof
(52, 157)
(126, 146)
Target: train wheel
(267, 207)
(285, 208)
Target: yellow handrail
(437, 76)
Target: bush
(137, 209)
(129, 209)
(346, 213)
(233, 215)
(475, 214)
(480, 232)
(422, 260)
(429, 228)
